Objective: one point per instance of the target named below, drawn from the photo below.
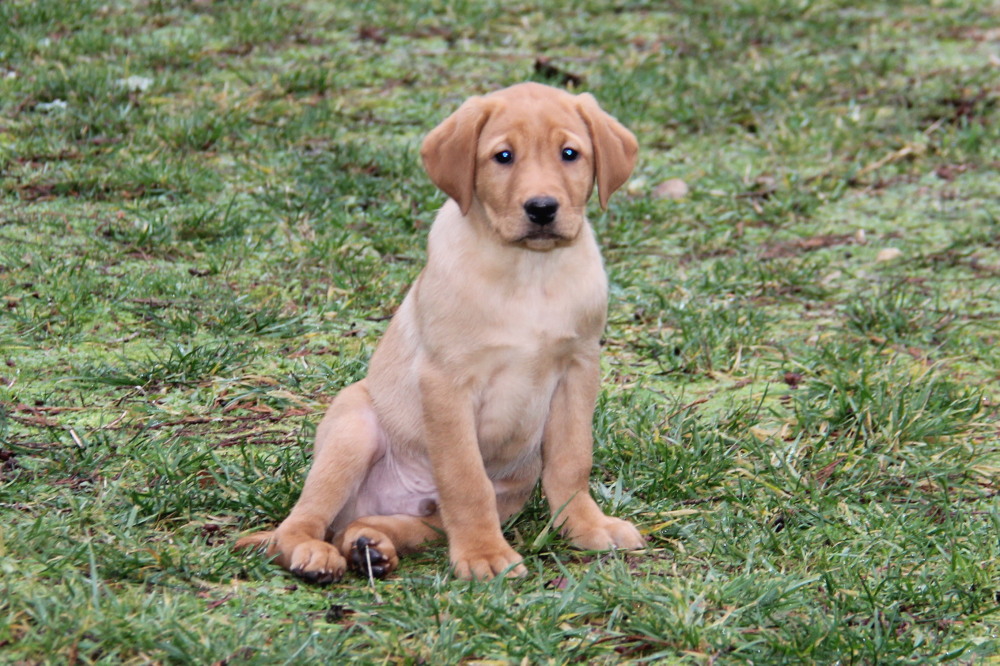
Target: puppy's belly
(397, 485)
(402, 482)
(511, 407)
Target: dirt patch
(799, 246)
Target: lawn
(210, 209)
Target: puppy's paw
(484, 563)
(371, 553)
(317, 562)
(607, 534)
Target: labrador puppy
(487, 376)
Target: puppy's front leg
(567, 455)
(468, 503)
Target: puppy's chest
(531, 334)
(511, 406)
(517, 369)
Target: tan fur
(487, 376)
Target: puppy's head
(526, 158)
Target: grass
(208, 211)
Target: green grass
(208, 211)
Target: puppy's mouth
(542, 239)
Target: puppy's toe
(317, 577)
(485, 564)
(317, 562)
(366, 559)
(608, 534)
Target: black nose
(541, 210)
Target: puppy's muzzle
(541, 210)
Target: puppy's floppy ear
(449, 151)
(615, 148)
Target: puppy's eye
(504, 157)
(569, 155)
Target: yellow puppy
(487, 375)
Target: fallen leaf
(557, 583)
(793, 379)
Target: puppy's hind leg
(348, 441)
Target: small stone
(888, 254)
(831, 278)
(673, 188)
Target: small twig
(37, 421)
(682, 408)
(702, 500)
(894, 156)
(118, 420)
(371, 576)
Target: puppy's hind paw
(372, 555)
(368, 560)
